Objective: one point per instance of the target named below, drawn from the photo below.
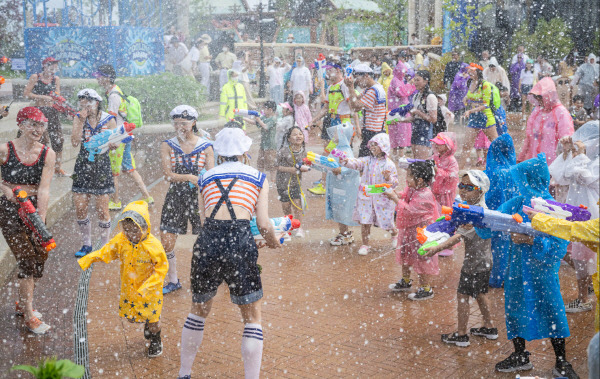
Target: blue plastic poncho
(342, 190)
(500, 158)
(533, 303)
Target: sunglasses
(468, 187)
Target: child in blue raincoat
(533, 303)
(500, 158)
(341, 187)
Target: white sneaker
(364, 250)
(300, 233)
(36, 326)
(342, 239)
(577, 306)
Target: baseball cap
(30, 113)
(107, 71)
(49, 60)
(362, 69)
(184, 111)
(89, 93)
(478, 178)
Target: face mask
(235, 79)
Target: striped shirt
(245, 191)
(102, 126)
(374, 101)
(194, 162)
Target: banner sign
(133, 51)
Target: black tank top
(15, 172)
(41, 88)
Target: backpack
(440, 124)
(134, 110)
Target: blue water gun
(401, 111)
(280, 224)
(245, 113)
(99, 143)
(405, 162)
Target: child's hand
(567, 143)
(431, 251)
(530, 212)
(337, 171)
(343, 161)
(579, 148)
(521, 239)
(304, 168)
(387, 175)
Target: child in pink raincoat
(416, 207)
(374, 209)
(548, 123)
(398, 94)
(446, 180)
(302, 114)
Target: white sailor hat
(184, 111)
(89, 94)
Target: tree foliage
(11, 27)
(550, 39)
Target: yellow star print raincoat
(586, 232)
(143, 267)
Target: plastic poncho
(459, 89)
(533, 303)
(385, 80)
(233, 96)
(515, 77)
(547, 124)
(300, 79)
(398, 94)
(500, 158)
(377, 209)
(302, 115)
(585, 232)
(342, 190)
(143, 267)
(446, 180)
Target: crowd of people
(386, 117)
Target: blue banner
(132, 51)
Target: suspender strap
(224, 198)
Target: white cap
(363, 68)
(89, 93)
(231, 142)
(276, 59)
(184, 111)
(478, 178)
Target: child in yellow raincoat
(143, 269)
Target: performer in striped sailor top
(183, 157)
(225, 250)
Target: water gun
(435, 234)
(405, 162)
(348, 71)
(245, 113)
(61, 105)
(32, 220)
(559, 210)
(320, 66)
(375, 189)
(6, 108)
(280, 224)
(401, 111)
(98, 144)
(339, 154)
(320, 161)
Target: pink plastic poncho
(375, 210)
(397, 95)
(548, 123)
(302, 115)
(446, 180)
(416, 208)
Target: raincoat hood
(341, 133)
(500, 158)
(493, 62)
(532, 177)
(138, 212)
(589, 134)
(385, 67)
(231, 72)
(301, 63)
(547, 90)
(450, 139)
(398, 85)
(383, 141)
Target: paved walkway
(327, 312)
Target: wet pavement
(327, 312)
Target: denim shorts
(226, 251)
(422, 132)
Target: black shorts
(92, 178)
(364, 151)
(181, 206)
(226, 251)
(474, 284)
(54, 131)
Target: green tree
(551, 39)
(463, 27)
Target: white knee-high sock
(252, 349)
(172, 273)
(104, 231)
(191, 339)
(85, 229)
